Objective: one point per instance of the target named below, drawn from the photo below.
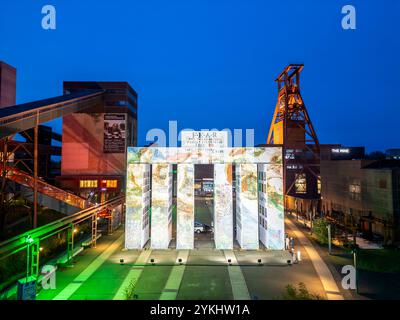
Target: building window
(87, 183)
(300, 183)
(111, 184)
(319, 185)
(355, 190)
(382, 184)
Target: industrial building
(94, 141)
(8, 81)
(363, 196)
(99, 123)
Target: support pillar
(35, 175)
(137, 206)
(110, 228)
(275, 208)
(70, 242)
(223, 215)
(262, 204)
(185, 207)
(161, 206)
(32, 266)
(247, 206)
(94, 231)
(3, 188)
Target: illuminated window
(319, 185)
(111, 183)
(300, 183)
(355, 190)
(87, 183)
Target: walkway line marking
(238, 283)
(69, 290)
(328, 282)
(133, 274)
(175, 277)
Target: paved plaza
(202, 273)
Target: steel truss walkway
(26, 180)
(25, 116)
(22, 117)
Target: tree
(320, 228)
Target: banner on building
(114, 133)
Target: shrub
(300, 293)
(320, 229)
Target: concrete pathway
(133, 275)
(328, 282)
(238, 283)
(70, 289)
(175, 277)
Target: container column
(223, 205)
(185, 207)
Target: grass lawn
(376, 260)
(380, 260)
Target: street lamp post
(329, 238)
(355, 267)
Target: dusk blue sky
(212, 64)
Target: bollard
(298, 255)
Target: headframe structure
(292, 128)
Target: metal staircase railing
(43, 187)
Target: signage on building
(114, 133)
(204, 139)
(347, 153)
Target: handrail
(20, 242)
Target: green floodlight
(29, 239)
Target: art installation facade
(137, 206)
(259, 183)
(246, 206)
(161, 206)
